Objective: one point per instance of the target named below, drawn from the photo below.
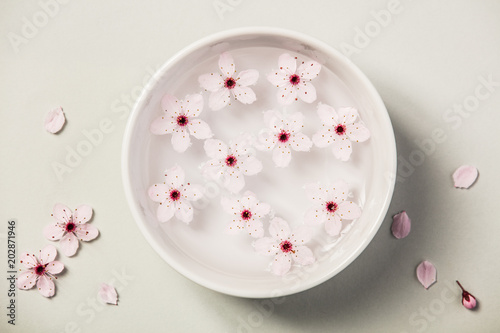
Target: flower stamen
(294, 79)
(230, 83)
(231, 161)
(246, 215)
(175, 195)
(340, 129)
(286, 246)
(283, 136)
(182, 120)
(331, 207)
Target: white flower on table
(281, 134)
(293, 82)
(227, 83)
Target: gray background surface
(428, 59)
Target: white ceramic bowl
(201, 251)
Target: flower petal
(309, 70)
(29, 260)
(69, 244)
(235, 226)
(226, 64)
(287, 94)
(348, 210)
(219, 99)
(300, 142)
(401, 225)
(55, 267)
(175, 176)
(247, 78)
(266, 246)
(255, 228)
(426, 274)
(47, 254)
(184, 211)
(261, 209)
(165, 211)
(46, 286)
(306, 92)
(249, 165)
(233, 180)
(54, 231)
(287, 63)
(54, 121)
(158, 192)
(328, 115)
(192, 105)
(303, 256)
(163, 125)
(347, 115)
(26, 279)
(181, 140)
(244, 94)
(333, 225)
(301, 235)
(315, 215)
(199, 129)
(279, 78)
(170, 104)
(267, 140)
(342, 147)
(192, 192)
(294, 122)
(282, 156)
(230, 205)
(83, 214)
(357, 132)
(339, 191)
(281, 264)
(108, 294)
(86, 232)
(279, 229)
(215, 149)
(323, 138)
(211, 81)
(62, 213)
(316, 193)
(465, 176)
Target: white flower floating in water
(223, 85)
(181, 120)
(340, 130)
(293, 82)
(247, 213)
(230, 164)
(282, 134)
(285, 246)
(330, 206)
(40, 272)
(69, 227)
(174, 196)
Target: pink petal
(309, 70)
(295, 122)
(184, 211)
(55, 267)
(279, 229)
(158, 192)
(244, 95)
(279, 78)
(26, 279)
(315, 192)
(46, 286)
(465, 176)
(333, 225)
(287, 94)
(300, 142)
(315, 216)
(62, 213)
(192, 192)
(235, 226)
(233, 180)
(226, 64)
(240, 145)
(69, 244)
(163, 125)
(287, 63)
(215, 149)
(211, 81)
(165, 211)
(261, 209)
(54, 231)
(348, 210)
(83, 214)
(170, 104)
(29, 260)
(426, 274)
(342, 147)
(108, 294)
(357, 132)
(175, 176)
(347, 115)
(282, 156)
(219, 99)
(401, 225)
(301, 235)
(339, 191)
(192, 105)
(47, 254)
(255, 228)
(306, 92)
(323, 138)
(327, 115)
(86, 232)
(267, 140)
(247, 78)
(230, 205)
(199, 129)
(181, 141)
(54, 121)
(281, 264)
(250, 165)
(303, 255)
(248, 201)
(266, 246)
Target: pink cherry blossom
(228, 83)
(229, 164)
(69, 227)
(41, 271)
(180, 119)
(285, 246)
(468, 300)
(247, 214)
(174, 196)
(54, 121)
(330, 206)
(283, 133)
(293, 82)
(340, 129)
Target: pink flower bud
(468, 300)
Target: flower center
(286, 246)
(175, 195)
(331, 207)
(340, 129)
(231, 161)
(70, 227)
(283, 136)
(40, 269)
(230, 83)
(182, 120)
(294, 79)
(246, 215)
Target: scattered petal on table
(54, 121)
(401, 225)
(108, 294)
(426, 274)
(465, 176)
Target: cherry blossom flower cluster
(230, 163)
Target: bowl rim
(220, 37)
